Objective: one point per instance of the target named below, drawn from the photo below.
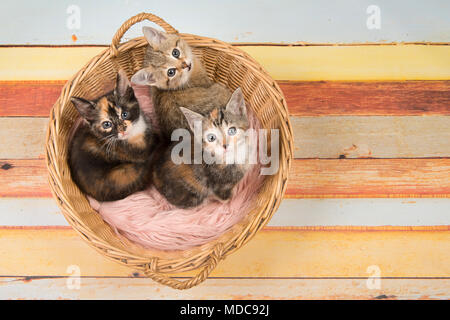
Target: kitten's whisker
(111, 146)
(107, 137)
(108, 148)
(107, 141)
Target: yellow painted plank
(400, 62)
(272, 253)
(226, 289)
(22, 63)
(393, 62)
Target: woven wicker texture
(224, 63)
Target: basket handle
(132, 21)
(214, 258)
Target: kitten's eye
(125, 115)
(176, 53)
(171, 72)
(211, 137)
(232, 131)
(106, 124)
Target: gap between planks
(253, 44)
(330, 228)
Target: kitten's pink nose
(122, 134)
(184, 65)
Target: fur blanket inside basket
(148, 219)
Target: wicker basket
(224, 63)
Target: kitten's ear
(122, 84)
(191, 117)
(236, 105)
(143, 77)
(85, 107)
(154, 37)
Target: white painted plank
(320, 21)
(141, 288)
(30, 212)
(368, 136)
(292, 212)
(363, 212)
(22, 137)
(314, 137)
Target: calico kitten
(223, 132)
(110, 154)
(178, 79)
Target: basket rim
(197, 258)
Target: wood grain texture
(24, 178)
(304, 98)
(353, 214)
(380, 98)
(272, 253)
(369, 178)
(28, 98)
(371, 137)
(22, 137)
(311, 63)
(328, 137)
(308, 178)
(223, 289)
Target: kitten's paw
(222, 201)
(223, 196)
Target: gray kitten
(178, 79)
(223, 133)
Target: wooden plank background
(236, 289)
(369, 187)
(324, 178)
(304, 98)
(284, 21)
(314, 137)
(311, 63)
(301, 214)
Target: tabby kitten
(223, 133)
(178, 79)
(110, 154)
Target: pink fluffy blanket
(148, 219)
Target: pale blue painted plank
(44, 22)
(30, 212)
(363, 212)
(292, 212)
